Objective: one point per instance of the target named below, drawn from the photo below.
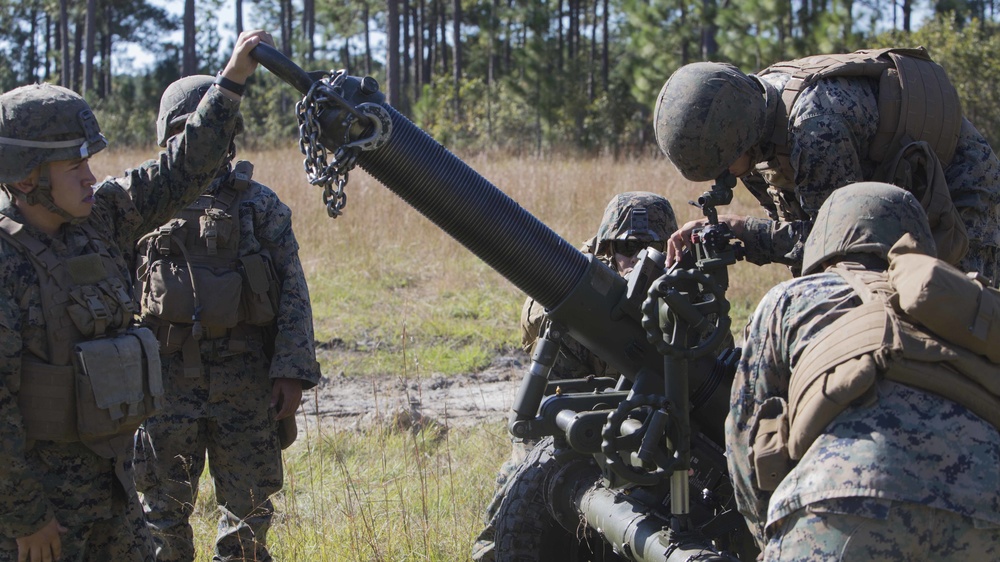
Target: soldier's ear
(28, 184)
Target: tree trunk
(66, 65)
(106, 42)
(33, 45)
(309, 29)
(47, 72)
(561, 37)
(89, 46)
(78, 32)
(709, 45)
(189, 57)
(392, 52)
(418, 49)
(404, 83)
(368, 40)
(239, 16)
(605, 48)
(285, 15)
(443, 42)
(456, 37)
(345, 55)
(592, 63)
(432, 46)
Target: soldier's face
(625, 263)
(73, 186)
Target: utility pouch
(118, 385)
(215, 227)
(170, 297)
(770, 444)
(48, 402)
(258, 307)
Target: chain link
(319, 169)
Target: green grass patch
(378, 495)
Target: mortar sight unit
(627, 469)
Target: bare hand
(681, 240)
(286, 395)
(241, 65)
(43, 545)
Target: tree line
(527, 77)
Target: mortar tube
(630, 527)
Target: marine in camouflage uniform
(632, 221)
(831, 127)
(226, 402)
(84, 501)
(901, 475)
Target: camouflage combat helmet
(865, 218)
(635, 215)
(44, 123)
(706, 116)
(179, 100)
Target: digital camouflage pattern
(46, 479)
(706, 116)
(225, 411)
(928, 450)
(619, 222)
(831, 127)
(888, 531)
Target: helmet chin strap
(42, 195)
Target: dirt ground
(354, 403)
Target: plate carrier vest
(100, 377)
(194, 284)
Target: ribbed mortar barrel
(474, 212)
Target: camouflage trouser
(884, 530)
(482, 548)
(224, 414)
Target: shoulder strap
(39, 253)
(868, 327)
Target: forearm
(768, 241)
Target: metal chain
(319, 169)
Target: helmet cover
(865, 218)
(178, 101)
(635, 215)
(44, 123)
(706, 116)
